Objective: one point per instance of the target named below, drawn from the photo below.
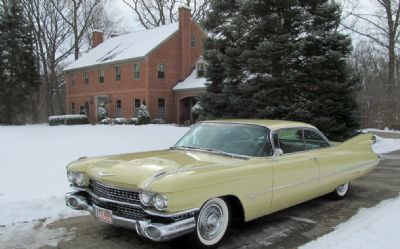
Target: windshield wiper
(220, 152)
(214, 151)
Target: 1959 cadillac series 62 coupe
(218, 172)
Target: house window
(117, 73)
(136, 71)
(86, 78)
(119, 109)
(193, 40)
(201, 70)
(161, 71)
(71, 79)
(72, 110)
(136, 107)
(161, 108)
(101, 76)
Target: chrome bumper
(145, 228)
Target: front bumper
(146, 228)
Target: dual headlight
(152, 199)
(76, 178)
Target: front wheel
(212, 224)
(340, 192)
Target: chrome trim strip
(163, 215)
(297, 183)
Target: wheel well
(236, 207)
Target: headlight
(70, 176)
(79, 179)
(76, 178)
(160, 202)
(146, 198)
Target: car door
(296, 172)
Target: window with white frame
(136, 71)
(201, 70)
(101, 76)
(161, 71)
(117, 73)
(86, 78)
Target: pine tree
(19, 70)
(280, 60)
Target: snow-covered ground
(386, 145)
(371, 228)
(33, 159)
(33, 176)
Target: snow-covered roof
(125, 47)
(192, 82)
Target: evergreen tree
(19, 72)
(280, 59)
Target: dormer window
(201, 70)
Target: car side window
(314, 141)
(289, 140)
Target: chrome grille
(114, 194)
(120, 210)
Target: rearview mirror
(277, 153)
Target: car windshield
(239, 139)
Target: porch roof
(191, 83)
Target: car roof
(269, 123)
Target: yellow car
(217, 172)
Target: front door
(296, 173)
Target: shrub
(68, 120)
(119, 121)
(158, 121)
(143, 115)
(131, 121)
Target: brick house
(161, 68)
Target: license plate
(103, 214)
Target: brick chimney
(97, 38)
(185, 34)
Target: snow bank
(33, 158)
(376, 227)
(385, 145)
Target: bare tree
(154, 13)
(52, 34)
(78, 15)
(382, 28)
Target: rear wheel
(212, 224)
(340, 192)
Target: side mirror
(278, 152)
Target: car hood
(139, 170)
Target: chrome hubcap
(210, 221)
(342, 189)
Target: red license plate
(103, 214)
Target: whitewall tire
(341, 191)
(212, 224)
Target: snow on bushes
(68, 120)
